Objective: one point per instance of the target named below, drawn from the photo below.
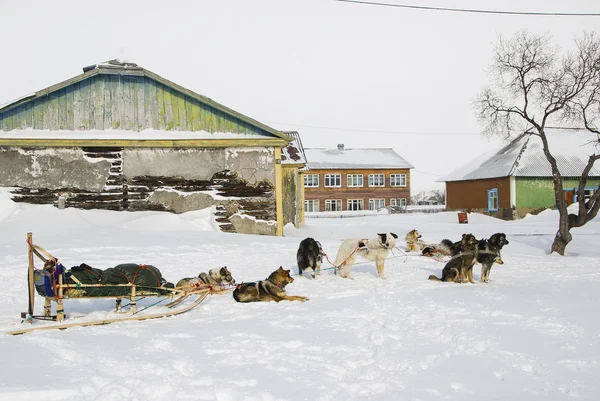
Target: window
(311, 180)
(398, 202)
(333, 180)
(376, 204)
(493, 200)
(355, 204)
(376, 180)
(311, 205)
(398, 180)
(333, 205)
(355, 180)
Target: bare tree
(439, 196)
(535, 84)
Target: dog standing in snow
(376, 249)
(309, 256)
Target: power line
(474, 11)
(371, 131)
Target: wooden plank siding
(121, 102)
(472, 195)
(344, 193)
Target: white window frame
(337, 202)
(358, 202)
(354, 180)
(380, 180)
(312, 182)
(311, 205)
(398, 202)
(397, 180)
(337, 178)
(376, 204)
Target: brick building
(355, 179)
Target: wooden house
(121, 137)
(355, 179)
(516, 179)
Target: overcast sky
(365, 76)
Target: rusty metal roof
(293, 153)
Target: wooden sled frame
(77, 291)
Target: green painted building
(516, 179)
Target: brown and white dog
(376, 249)
(413, 242)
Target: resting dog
(413, 241)
(440, 250)
(214, 279)
(271, 289)
(489, 253)
(309, 256)
(376, 249)
(459, 269)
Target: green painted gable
(128, 100)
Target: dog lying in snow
(214, 279)
(270, 289)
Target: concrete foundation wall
(251, 164)
(52, 169)
(238, 181)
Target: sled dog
(309, 256)
(488, 253)
(459, 269)
(376, 249)
(271, 289)
(414, 242)
(214, 279)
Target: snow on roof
(16, 100)
(293, 153)
(147, 134)
(367, 158)
(524, 157)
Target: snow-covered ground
(532, 333)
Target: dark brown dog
(271, 289)
(459, 269)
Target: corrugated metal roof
(366, 158)
(294, 153)
(524, 157)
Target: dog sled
(123, 282)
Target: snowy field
(532, 333)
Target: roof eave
(144, 143)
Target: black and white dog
(489, 253)
(309, 256)
(376, 249)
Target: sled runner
(126, 281)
